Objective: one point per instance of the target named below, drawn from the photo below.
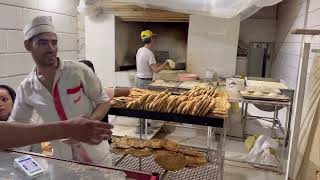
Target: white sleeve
(21, 112)
(151, 59)
(92, 86)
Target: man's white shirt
(77, 88)
(144, 58)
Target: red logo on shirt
(74, 90)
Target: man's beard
(47, 61)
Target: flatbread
(193, 162)
(156, 143)
(121, 143)
(145, 152)
(172, 146)
(170, 161)
(171, 63)
(46, 148)
(191, 152)
(119, 151)
(137, 143)
(210, 106)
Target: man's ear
(27, 45)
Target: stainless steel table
(285, 128)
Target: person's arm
(101, 111)
(154, 65)
(81, 129)
(158, 67)
(93, 90)
(21, 112)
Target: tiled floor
(235, 149)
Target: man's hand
(88, 131)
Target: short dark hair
(11, 92)
(146, 40)
(89, 64)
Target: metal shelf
(213, 170)
(172, 117)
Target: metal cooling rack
(147, 164)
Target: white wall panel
(15, 41)
(68, 55)
(13, 81)
(212, 42)
(62, 23)
(21, 3)
(314, 5)
(10, 17)
(67, 41)
(313, 18)
(60, 6)
(15, 64)
(14, 15)
(291, 48)
(101, 49)
(3, 41)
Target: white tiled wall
(260, 27)
(15, 61)
(291, 15)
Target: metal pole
(140, 163)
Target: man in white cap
(60, 89)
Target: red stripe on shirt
(58, 104)
(62, 115)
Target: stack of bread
(210, 101)
(167, 154)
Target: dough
(257, 93)
(171, 63)
(244, 92)
(272, 94)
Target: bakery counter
(57, 169)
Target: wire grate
(147, 164)
(207, 172)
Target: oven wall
(127, 42)
(171, 37)
(212, 42)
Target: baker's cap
(40, 24)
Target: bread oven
(171, 42)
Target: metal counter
(63, 170)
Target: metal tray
(279, 98)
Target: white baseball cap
(40, 24)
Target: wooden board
(131, 12)
(306, 31)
